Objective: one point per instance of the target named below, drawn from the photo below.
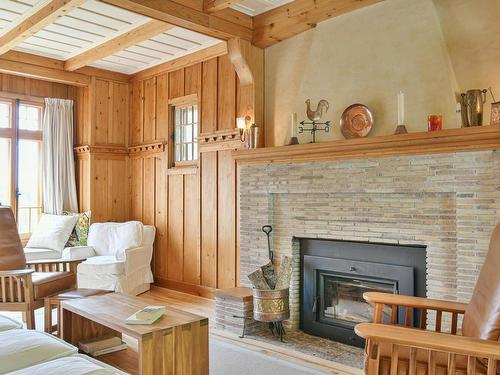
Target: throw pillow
(80, 232)
(52, 232)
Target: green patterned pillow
(78, 236)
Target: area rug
(231, 359)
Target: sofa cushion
(7, 323)
(78, 236)
(35, 253)
(47, 283)
(114, 238)
(74, 365)
(107, 265)
(21, 348)
(52, 232)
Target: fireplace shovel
(267, 229)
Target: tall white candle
(401, 108)
(293, 125)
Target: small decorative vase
(400, 129)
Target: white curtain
(59, 186)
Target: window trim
(184, 166)
(15, 135)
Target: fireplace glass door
(341, 299)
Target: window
(21, 161)
(185, 130)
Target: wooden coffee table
(176, 344)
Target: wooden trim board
(444, 141)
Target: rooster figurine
(318, 113)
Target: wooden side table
(54, 302)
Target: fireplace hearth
(335, 274)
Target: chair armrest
(22, 272)
(78, 253)
(415, 302)
(136, 258)
(54, 265)
(428, 340)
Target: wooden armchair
(24, 285)
(395, 349)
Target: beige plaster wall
(366, 56)
(471, 30)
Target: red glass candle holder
(435, 122)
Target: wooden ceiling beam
(33, 21)
(211, 6)
(121, 42)
(8, 59)
(182, 62)
(298, 16)
(24, 69)
(181, 15)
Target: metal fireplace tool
(271, 301)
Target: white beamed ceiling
(94, 23)
(256, 7)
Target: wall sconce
(242, 125)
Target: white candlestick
(293, 125)
(401, 108)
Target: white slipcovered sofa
(118, 257)
(29, 352)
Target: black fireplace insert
(335, 274)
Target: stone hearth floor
(315, 346)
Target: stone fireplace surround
(448, 202)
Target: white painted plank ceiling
(94, 23)
(255, 7)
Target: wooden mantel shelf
(448, 140)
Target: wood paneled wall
(194, 210)
(33, 87)
(102, 163)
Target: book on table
(147, 315)
(102, 345)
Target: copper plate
(356, 121)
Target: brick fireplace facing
(449, 203)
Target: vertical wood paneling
(149, 109)
(227, 95)
(209, 96)
(102, 123)
(175, 256)
(162, 106)
(117, 198)
(176, 84)
(161, 216)
(99, 205)
(226, 209)
(192, 261)
(192, 80)
(120, 108)
(194, 213)
(136, 113)
(136, 184)
(209, 219)
(148, 186)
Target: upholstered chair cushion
(482, 317)
(11, 250)
(52, 232)
(113, 239)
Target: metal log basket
(272, 306)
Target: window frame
(183, 166)
(14, 134)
